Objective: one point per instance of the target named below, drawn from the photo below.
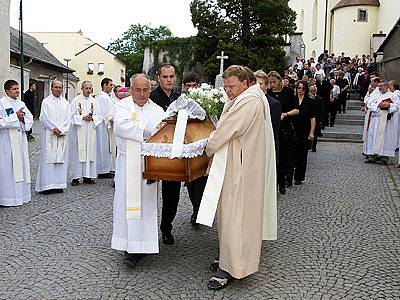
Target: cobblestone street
(339, 238)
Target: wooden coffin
(184, 169)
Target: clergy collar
(103, 93)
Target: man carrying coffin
(382, 127)
(15, 119)
(82, 139)
(105, 143)
(135, 203)
(242, 180)
(55, 117)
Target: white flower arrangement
(210, 99)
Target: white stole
(380, 132)
(81, 132)
(212, 191)
(18, 167)
(55, 148)
(133, 174)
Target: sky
(100, 20)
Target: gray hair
(138, 75)
(55, 81)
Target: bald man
(135, 228)
(82, 142)
(55, 118)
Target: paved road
(339, 238)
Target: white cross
(222, 57)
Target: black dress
(287, 135)
(302, 125)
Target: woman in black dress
(287, 135)
(304, 124)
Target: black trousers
(332, 113)
(342, 101)
(286, 160)
(301, 156)
(170, 191)
(325, 117)
(195, 190)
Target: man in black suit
(164, 95)
(29, 99)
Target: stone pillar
(5, 42)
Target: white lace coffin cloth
(160, 150)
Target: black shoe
(113, 185)
(106, 175)
(30, 137)
(75, 182)
(46, 192)
(297, 182)
(282, 190)
(219, 281)
(58, 191)
(288, 184)
(132, 259)
(88, 181)
(314, 149)
(167, 238)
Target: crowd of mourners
(308, 96)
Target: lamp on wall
(67, 60)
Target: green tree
(249, 31)
(130, 47)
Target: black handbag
(287, 132)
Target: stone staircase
(348, 127)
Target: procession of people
(259, 148)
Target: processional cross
(222, 57)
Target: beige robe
(241, 204)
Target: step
(351, 115)
(330, 140)
(349, 122)
(342, 135)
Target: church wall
(389, 12)
(350, 36)
(5, 42)
(96, 55)
(343, 29)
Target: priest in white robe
(55, 118)
(135, 229)
(382, 132)
(15, 119)
(82, 138)
(105, 142)
(372, 94)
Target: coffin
(184, 169)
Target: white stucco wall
(5, 42)
(350, 36)
(347, 36)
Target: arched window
(315, 20)
(301, 21)
(314, 54)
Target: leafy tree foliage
(130, 47)
(251, 32)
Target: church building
(349, 26)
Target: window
(100, 70)
(90, 67)
(362, 15)
(315, 20)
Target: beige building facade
(90, 60)
(349, 26)
(5, 42)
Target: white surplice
(390, 131)
(88, 168)
(134, 235)
(53, 167)
(104, 134)
(12, 191)
(369, 97)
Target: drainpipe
(326, 23)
